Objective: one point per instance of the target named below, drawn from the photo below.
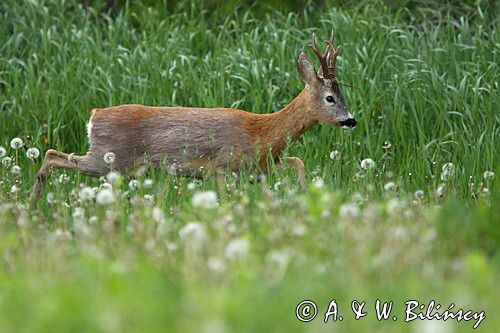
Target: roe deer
(196, 140)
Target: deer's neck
(285, 126)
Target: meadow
(403, 207)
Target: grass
(424, 94)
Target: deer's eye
(330, 99)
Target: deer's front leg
(297, 165)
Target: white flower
(216, 265)
(207, 200)
(334, 154)
(2, 151)
(394, 206)
(448, 171)
(113, 177)
(105, 197)
(109, 158)
(237, 248)
(106, 186)
(278, 258)
(148, 183)
(63, 178)
(157, 214)
(277, 186)
(16, 170)
(71, 158)
(191, 186)
(349, 211)
(134, 184)
(172, 170)
(51, 198)
(78, 214)
(32, 153)
(367, 163)
(419, 194)
(488, 175)
(14, 189)
(86, 194)
(318, 182)
(193, 231)
(16, 143)
(386, 145)
(390, 186)
(148, 198)
(440, 190)
(6, 161)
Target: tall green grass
(424, 91)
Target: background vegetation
(422, 83)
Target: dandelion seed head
(14, 189)
(216, 265)
(318, 182)
(191, 186)
(16, 170)
(3, 151)
(86, 194)
(158, 215)
(447, 171)
(193, 231)
(390, 186)
(237, 249)
(105, 197)
(71, 158)
(106, 186)
(419, 194)
(488, 175)
(7, 161)
(109, 158)
(349, 211)
(207, 200)
(78, 214)
(16, 143)
(113, 177)
(134, 184)
(334, 154)
(367, 164)
(33, 153)
(394, 206)
(63, 178)
(50, 197)
(148, 183)
(277, 186)
(440, 190)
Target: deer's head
(323, 89)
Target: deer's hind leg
(58, 160)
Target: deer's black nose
(351, 122)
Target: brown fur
(197, 141)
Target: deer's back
(186, 137)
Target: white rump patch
(89, 128)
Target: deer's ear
(306, 69)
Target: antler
(328, 60)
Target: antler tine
(332, 59)
(321, 57)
